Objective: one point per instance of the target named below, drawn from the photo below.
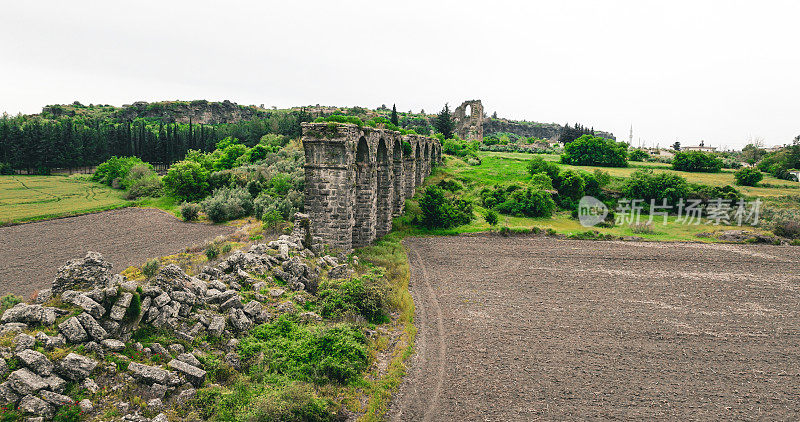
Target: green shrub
(696, 161)
(117, 168)
(602, 176)
(135, 308)
(441, 211)
(228, 204)
(8, 301)
(146, 186)
(189, 211)
(320, 354)
(68, 413)
(539, 165)
(707, 193)
(638, 155)
(571, 187)
(212, 251)
(591, 150)
(748, 176)
(541, 181)
(528, 202)
(150, 268)
(229, 155)
(450, 185)
(491, 217)
(364, 295)
(187, 181)
(644, 184)
(266, 206)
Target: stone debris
(91, 271)
(36, 361)
(223, 301)
(76, 367)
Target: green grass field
(500, 167)
(31, 198)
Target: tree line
(36, 144)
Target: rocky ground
(76, 346)
(32, 253)
(527, 328)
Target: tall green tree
(444, 123)
(394, 119)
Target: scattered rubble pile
(73, 337)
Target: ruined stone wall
(469, 125)
(357, 179)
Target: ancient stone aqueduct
(357, 179)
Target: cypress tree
(394, 118)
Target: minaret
(630, 137)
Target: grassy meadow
(31, 198)
(503, 168)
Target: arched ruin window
(362, 151)
(468, 111)
(383, 154)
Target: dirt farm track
(31, 253)
(518, 329)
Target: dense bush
(264, 398)
(117, 169)
(748, 177)
(228, 204)
(460, 147)
(187, 181)
(541, 181)
(491, 217)
(779, 163)
(8, 301)
(442, 211)
(145, 186)
(229, 151)
(450, 185)
(528, 202)
(591, 150)
(538, 165)
(646, 185)
(571, 188)
(364, 295)
(150, 268)
(707, 193)
(308, 353)
(189, 211)
(267, 205)
(696, 161)
(638, 155)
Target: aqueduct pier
(358, 178)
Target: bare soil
(30, 254)
(513, 329)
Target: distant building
(775, 148)
(701, 148)
(796, 174)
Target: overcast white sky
(722, 71)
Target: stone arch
(409, 167)
(399, 179)
(385, 189)
(342, 184)
(365, 199)
(419, 176)
(427, 158)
